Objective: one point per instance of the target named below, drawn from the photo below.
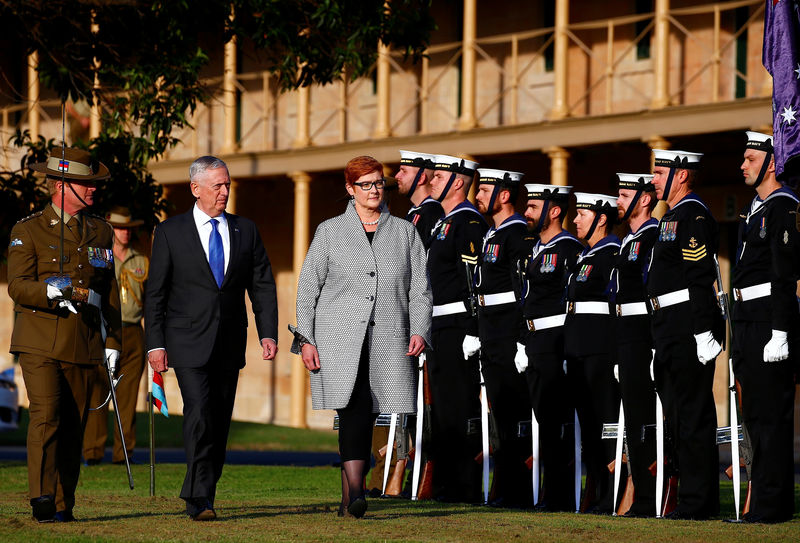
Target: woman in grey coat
(363, 312)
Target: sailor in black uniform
(633, 339)
(414, 180)
(687, 330)
(504, 250)
(541, 353)
(455, 384)
(765, 321)
(588, 344)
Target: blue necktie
(216, 257)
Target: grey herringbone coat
(345, 285)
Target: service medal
(634, 252)
(668, 231)
(443, 231)
(583, 275)
(100, 257)
(492, 252)
(548, 263)
(762, 233)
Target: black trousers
(768, 410)
(208, 394)
(508, 398)
(685, 387)
(357, 419)
(596, 397)
(455, 390)
(639, 401)
(549, 396)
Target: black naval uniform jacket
(503, 255)
(587, 334)
(424, 218)
(546, 276)
(630, 275)
(455, 244)
(683, 258)
(768, 240)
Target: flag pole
(151, 418)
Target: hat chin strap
(414, 183)
(449, 184)
(668, 184)
(629, 211)
(540, 223)
(73, 192)
(590, 233)
(763, 170)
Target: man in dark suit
(202, 263)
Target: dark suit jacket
(185, 311)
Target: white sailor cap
(683, 160)
(538, 191)
(418, 160)
(636, 181)
(454, 164)
(759, 141)
(601, 203)
(493, 177)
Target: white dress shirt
(203, 224)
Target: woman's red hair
(361, 165)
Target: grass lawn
(258, 503)
(243, 435)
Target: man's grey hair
(203, 164)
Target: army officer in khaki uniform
(58, 331)
(131, 268)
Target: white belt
(631, 309)
(497, 299)
(449, 309)
(592, 308)
(670, 298)
(752, 293)
(544, 323)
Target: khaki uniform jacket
(42, 328)
(131, 278)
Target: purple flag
(781, 58)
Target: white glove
(112, 356)
(707, 347)
(470, 346)
(521, 359)
(616, 372)
(777, 348)
(54, 293)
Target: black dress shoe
(357, 507)
(91, 461)
(64, 516)
(44, 508)
(200, 509)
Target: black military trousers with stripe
(768, 390)
(596, 397)
(685, 387)
(455, 390)
(507, 391)
(639, 401)
(550, 400)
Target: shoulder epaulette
(31, 216)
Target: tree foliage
(148, 57)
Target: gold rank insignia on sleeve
(695, 253)
(469, 259)
(471, 247)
